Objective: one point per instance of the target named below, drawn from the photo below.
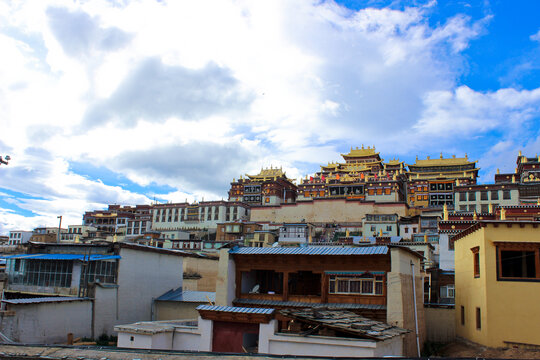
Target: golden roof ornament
(513, 178)
(503, 213)
(475, 217)
(445, 212)
(498, 171)
(519, 153)
(490, 208)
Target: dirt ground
(462, 350)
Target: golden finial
(233, 180)
(503, 213)
(490, 208)
(425, 237)
(519, 153)
(475, 217)
(441, 154)
(445, 212)
(362, 146)
(498, 171)
(513, 178)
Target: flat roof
(483, 223)
(39, 300)
(80, 257)
(314, 250)
(235, 309)
(188, 296)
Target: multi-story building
(431, 181)
(380, 225)
(236, 230)
(78, 233)
(204, 215)
(497, 283)
(18, 237)
(485, 198)
(300, 233)
(363, 176)
(269, 187)
(112, 221)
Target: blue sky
(126, 102)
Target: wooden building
(372, 281)
(269, 187)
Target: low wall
(48, 323)
(291, 344)
(440, 324)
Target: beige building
(497, 282)
(324, 210)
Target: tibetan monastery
(363, 176)
(431, 182)
(270, 187)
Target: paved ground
(83, 353)
(462, 350)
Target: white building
(55, 287)
(18, 237)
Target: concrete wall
(207, 268)
(48, 323)
(225, 284)
(106, 308)
(324, 211)
(292, 344)
(176, 310)
(400, 308)
(143, 276)
(440, 324)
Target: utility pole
(59, 227)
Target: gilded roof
(453, 161)
(268, 173)
(394, 162)
(361, 152)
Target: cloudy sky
(124, 102)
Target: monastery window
(387, 191)
(462, 207)
(462, 196)
(433, 187)
(388, 227)
(478, 319)
(472, 208)
(506, 195)
(449, 186)
(484, 208)
(371, 192)
(483, 195)
(495, 195)
(518, 261)
(462, 315)
(476, 261)
(365, 284)
(379, 191)
(472, 196)
(306, 193)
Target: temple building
(363, 176)
(269, 187)
(431, 181)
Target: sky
(131, 102)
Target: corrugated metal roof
(81, 257)
(38, 300)
(187, 296)
(234, 309)
(305, 304)
(313, 250)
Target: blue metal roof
(311, 250)
(188, 296)
(81, 257)
(298, 304)
(39, 300)
(234, 309)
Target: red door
(234, 337)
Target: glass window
(483, 195)
(506, 194)
(472, 196)
(495, 195)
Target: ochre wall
(509, 309)
(325, 211)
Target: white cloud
(535, 37)
(287, 83)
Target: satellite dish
(255, 289)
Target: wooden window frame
(517, 246)
(478, 319)
(463, 315)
